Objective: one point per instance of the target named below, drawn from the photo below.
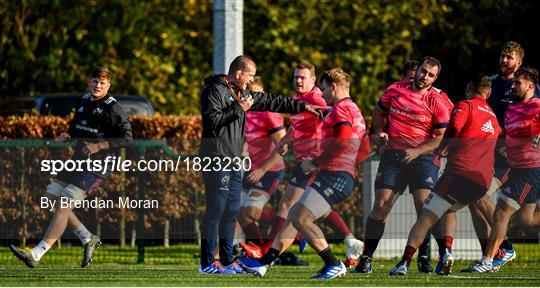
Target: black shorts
(268, 183)
(299, 178)
(458, 189)
(420, 173)
(523, 185)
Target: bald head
(241, 63)
(242, 71)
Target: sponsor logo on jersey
(488, 127)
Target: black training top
(98, 120)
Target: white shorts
(315, 202)
(69, 191)
(438, 205)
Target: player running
(417, 118)
(263, 131)
(343, 128)
(469, 142)
(100, 127)
(522, 190)
(305, 133)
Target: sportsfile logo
(488, 127)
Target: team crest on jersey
(97, 111)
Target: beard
(507, 70)
(420, 84)
(517, 96)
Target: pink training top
(344, 112)
(307, 127)
(259, 128)
(473, 131)
(522, 123)
(412, 116)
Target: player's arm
(427, 148)
(458, 119)
(120, 134)
(380, 115)
(256, 175)
(342, 137)
(282, 144)
(440, 119)
(379, 123)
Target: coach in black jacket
(224, 101)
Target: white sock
(40, 250)
(83, 234)
(349, 240)
(486, 260)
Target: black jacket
(223, 118)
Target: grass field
(51, 273)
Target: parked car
(63, 104)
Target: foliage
(155, 48)
(163, 49)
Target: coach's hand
(64, 137)
(255, 175)
(317, 110)
(246, 103)
(410, 154)
(308, 166)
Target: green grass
(60, 268)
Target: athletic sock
(336, 222)
(276, 228)
(486, 260)
(444, 243)
(270, 256)
(448, 240)
(40, 250)
(329, 257)
(268, 216)
(253, 233)
(83, 234)
(424, 248)
(349, 240)
(374, 233)
(408, 254)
